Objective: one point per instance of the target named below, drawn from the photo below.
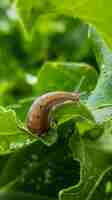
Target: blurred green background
(25, 49)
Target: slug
(38, 115)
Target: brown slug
(38, 115)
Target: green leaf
(28, 162)
(11, 136)
(97, 12)
(8, 124)
(68, 77)
(38, 168)
(68, 110)
(77, 112)
(22, 195)
(95, 162)
(50, 138)
(101, 96)
(22, 108)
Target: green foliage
(44, 48)
(5, 118)
(96, 12)
(12, 136)
(68, 76)
(101, 94)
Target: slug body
(38, 116)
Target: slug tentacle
(38, 116)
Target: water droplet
(47, 176)
(28, 141)
(34, 157)
(20, 145)
(12, 146)
(30, 165)
(11, 13)
(103, 66)
(32, 80)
